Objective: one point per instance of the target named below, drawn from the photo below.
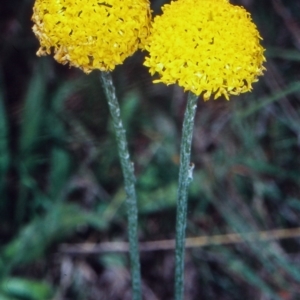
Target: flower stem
(129, 180)
(185, 177)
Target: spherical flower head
(91, 34)
(205, 46)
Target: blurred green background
(61, 183)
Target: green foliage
(25, 289)
(33, 240)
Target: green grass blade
(259, 104)
(33, 112)
(59, 172)
(4, 148)
(292, 55)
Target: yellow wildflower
(91, 34)
(205, 46)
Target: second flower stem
(129, 179)
(185, 177)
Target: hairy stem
(129, 180)
(185, 177)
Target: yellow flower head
(205, 46)
(91, 34)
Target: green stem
(185, 177)
(129, 179)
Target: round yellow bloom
(91, 34)
(205, 46)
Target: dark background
(61, 183)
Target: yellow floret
(205, 46)
(91, 34)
